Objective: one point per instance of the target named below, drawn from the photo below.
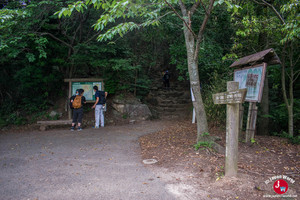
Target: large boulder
(131, 107)
(54, 113)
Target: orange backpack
(77, 102)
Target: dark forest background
(38, 50)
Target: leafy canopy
(148, 12)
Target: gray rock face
(131, 107)
(140, 111)
(54, 114)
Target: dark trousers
(167, 83)
(77, 115)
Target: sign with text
(88, 89)
(253, 79)
(233, 97)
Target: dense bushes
(38, 50)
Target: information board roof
(268, 56)
(83, 80)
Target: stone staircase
(174, 102)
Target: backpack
(77, 102)
(102, 99)
(166, 77)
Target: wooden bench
(45, 124)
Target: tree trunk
(289, 103)
(202, 126)
(263, 126)
(291, 90)
(291, 120)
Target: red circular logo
(280, 186)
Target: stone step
(165, 101)
(168, 109)
(175, 105)
(184, 101)
(172, 102)
(172, 115)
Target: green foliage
(275, 25)
(279, 115)
(291, 27)
(215, 113)
(15, 118)
(3, 122)
(38, 50)
(116, 10)
(203, 144)
(293, 140)
(205, 134)
(215, 45)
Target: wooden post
(251, 122)
(232, 132)
(70, 94)
(233, 98)
(241, 137)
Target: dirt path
(92, 164)
(106, 164)
(194, 175)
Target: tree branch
(183, 8)
(297, 60)
(296, 76)
(184, 12)
(258, 2)
(51, 35)
(195, 6)
(203, 6)
(273, 8)
(202, 28)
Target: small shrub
(205, 134)
(2, 123)
(203, 144)
(292, 140)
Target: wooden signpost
(247, 86)
(230, 97)
(233, 98)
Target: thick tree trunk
(202, 126)
(263, 127)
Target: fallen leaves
(174, 148)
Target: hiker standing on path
(166, 79)
(99, 106)
(76, 103)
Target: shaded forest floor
(199, 174)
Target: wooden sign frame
(254, 82)
(80, 80)
(83, 80)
